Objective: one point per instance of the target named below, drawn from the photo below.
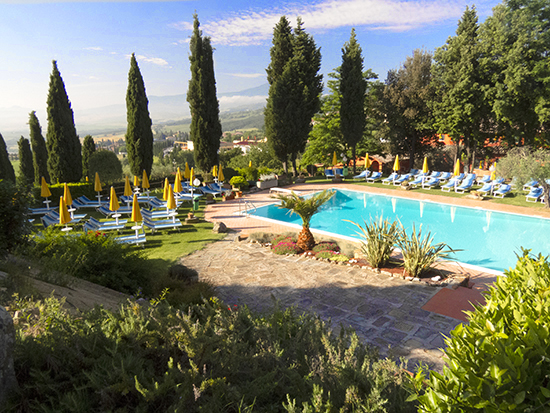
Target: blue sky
(92, 41)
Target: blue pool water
(487, 239)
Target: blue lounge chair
(206, 190)
(414, 172)
(484, 179)
(418, 180)
(393, 176)
(430, 183)
(402, 179)
(530, 185)
(497, 182)
(137, 238)
(329, 173)
(534, 195)
(84, 202)
(157, 214)
(155, 203)
(488, 187)
(434, 174)
(104, 209)
(52, 218)
(40, 211)
(445, 176)
(466, 185)
(156, 225)
(375, 176)
(96, 225)
(452, 184)
(362, 175)
(502, 191)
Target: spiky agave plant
(305, 208)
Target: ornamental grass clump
(420, 252)
(379, 239)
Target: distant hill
(112, 118)
(246, 119)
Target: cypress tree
(26, 168)
(353, 86)
(39, 150)
(6, 168)
(64, 149)
(206, 128)
(139, 135)
(88, 148)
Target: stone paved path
(384, 311)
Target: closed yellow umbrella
(171, 202)
(145, 180)
(67, 195)
(457, 168)
(165, 193)
(97, 183)
(136, 181)
(177, 183)
(178, 173)
(493, 175)
(250, 164)
(425, 165)
(186, 171)
(396, 163)
(191, 176)
(44, 189)
(136, 214)
(215, 171)
(334, 159)
(367, 161)
(221, 178)
(113, 204)
(64, 216)
(127, 187)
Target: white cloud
(183, 26)
(154, 60)
(246, 75)
(181, 42)
(255, 27)
(96, 48)
(230, 102)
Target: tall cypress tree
(39, 150)
(88, 148)
(206, 127)
(353, 86)
(64, 149)
(294, 91)
(6, 168)
(139, 135)
(26, 169)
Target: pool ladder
(245, 207)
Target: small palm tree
(305, 208)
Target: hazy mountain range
(13, 120)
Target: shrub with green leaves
(326, 246)
(420, 252)
(378, 240)
(498, 362)
(239, 182)
(95, 257)
(284, 237)
(339, 258)
(325, 255)
(14, 227)
(286, 247)
(211, 358)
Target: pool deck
(402, 318)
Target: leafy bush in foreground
(499, 361)
(210, 358)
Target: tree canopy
(6, 168)
(26, 168)
(39, 150)
(88, 148)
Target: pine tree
(64, 149)
(26, 168)
(295, 87)
(88, 148)
(6, 168)
(139, 135)
(206, 129)
(353, 86)
(39, 150)
(461, 109)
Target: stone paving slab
(385, 311)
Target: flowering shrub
(326, 255)
(280, 238)
(286, 247)
(326, 246)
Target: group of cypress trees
(206, 129)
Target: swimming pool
(487, 239)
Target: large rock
(219, 227)
(7, 343)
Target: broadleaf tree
(26, 168)
(64, 149)
(139, 134)
(88, 148)
(39, 150)
(6, 168)
(294, 91)
(205, 130)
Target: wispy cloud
(246, 75)
(97, 48)
(255, 27)
(154, 60)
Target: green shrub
(264, 170)
(94, 257)
(286, 247)
(498, 362)
(325, 255)
(249, 173)
(339, 258)
(420, 253)
(326, 246)
(210, 358)
(379, 239)
(239, 182)
(284, 237)
(106, 164)
(14, 227)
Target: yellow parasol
(166, 186)
(97, 183)
(221, 178)
(113, 204)
(457, 168)
(396, 163)
(145, 181)
(493, 175)
(186, 171)
(215, 171)
(334, 159)
(177, 183)
(136, 181)
(67, 195)
(178, 173)
(425, 165)
(367, 161)
(64, 216)
(191, 177)
(127, 187)
(250, 164)
(136, 214)
(171, 202)
(45, 192)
